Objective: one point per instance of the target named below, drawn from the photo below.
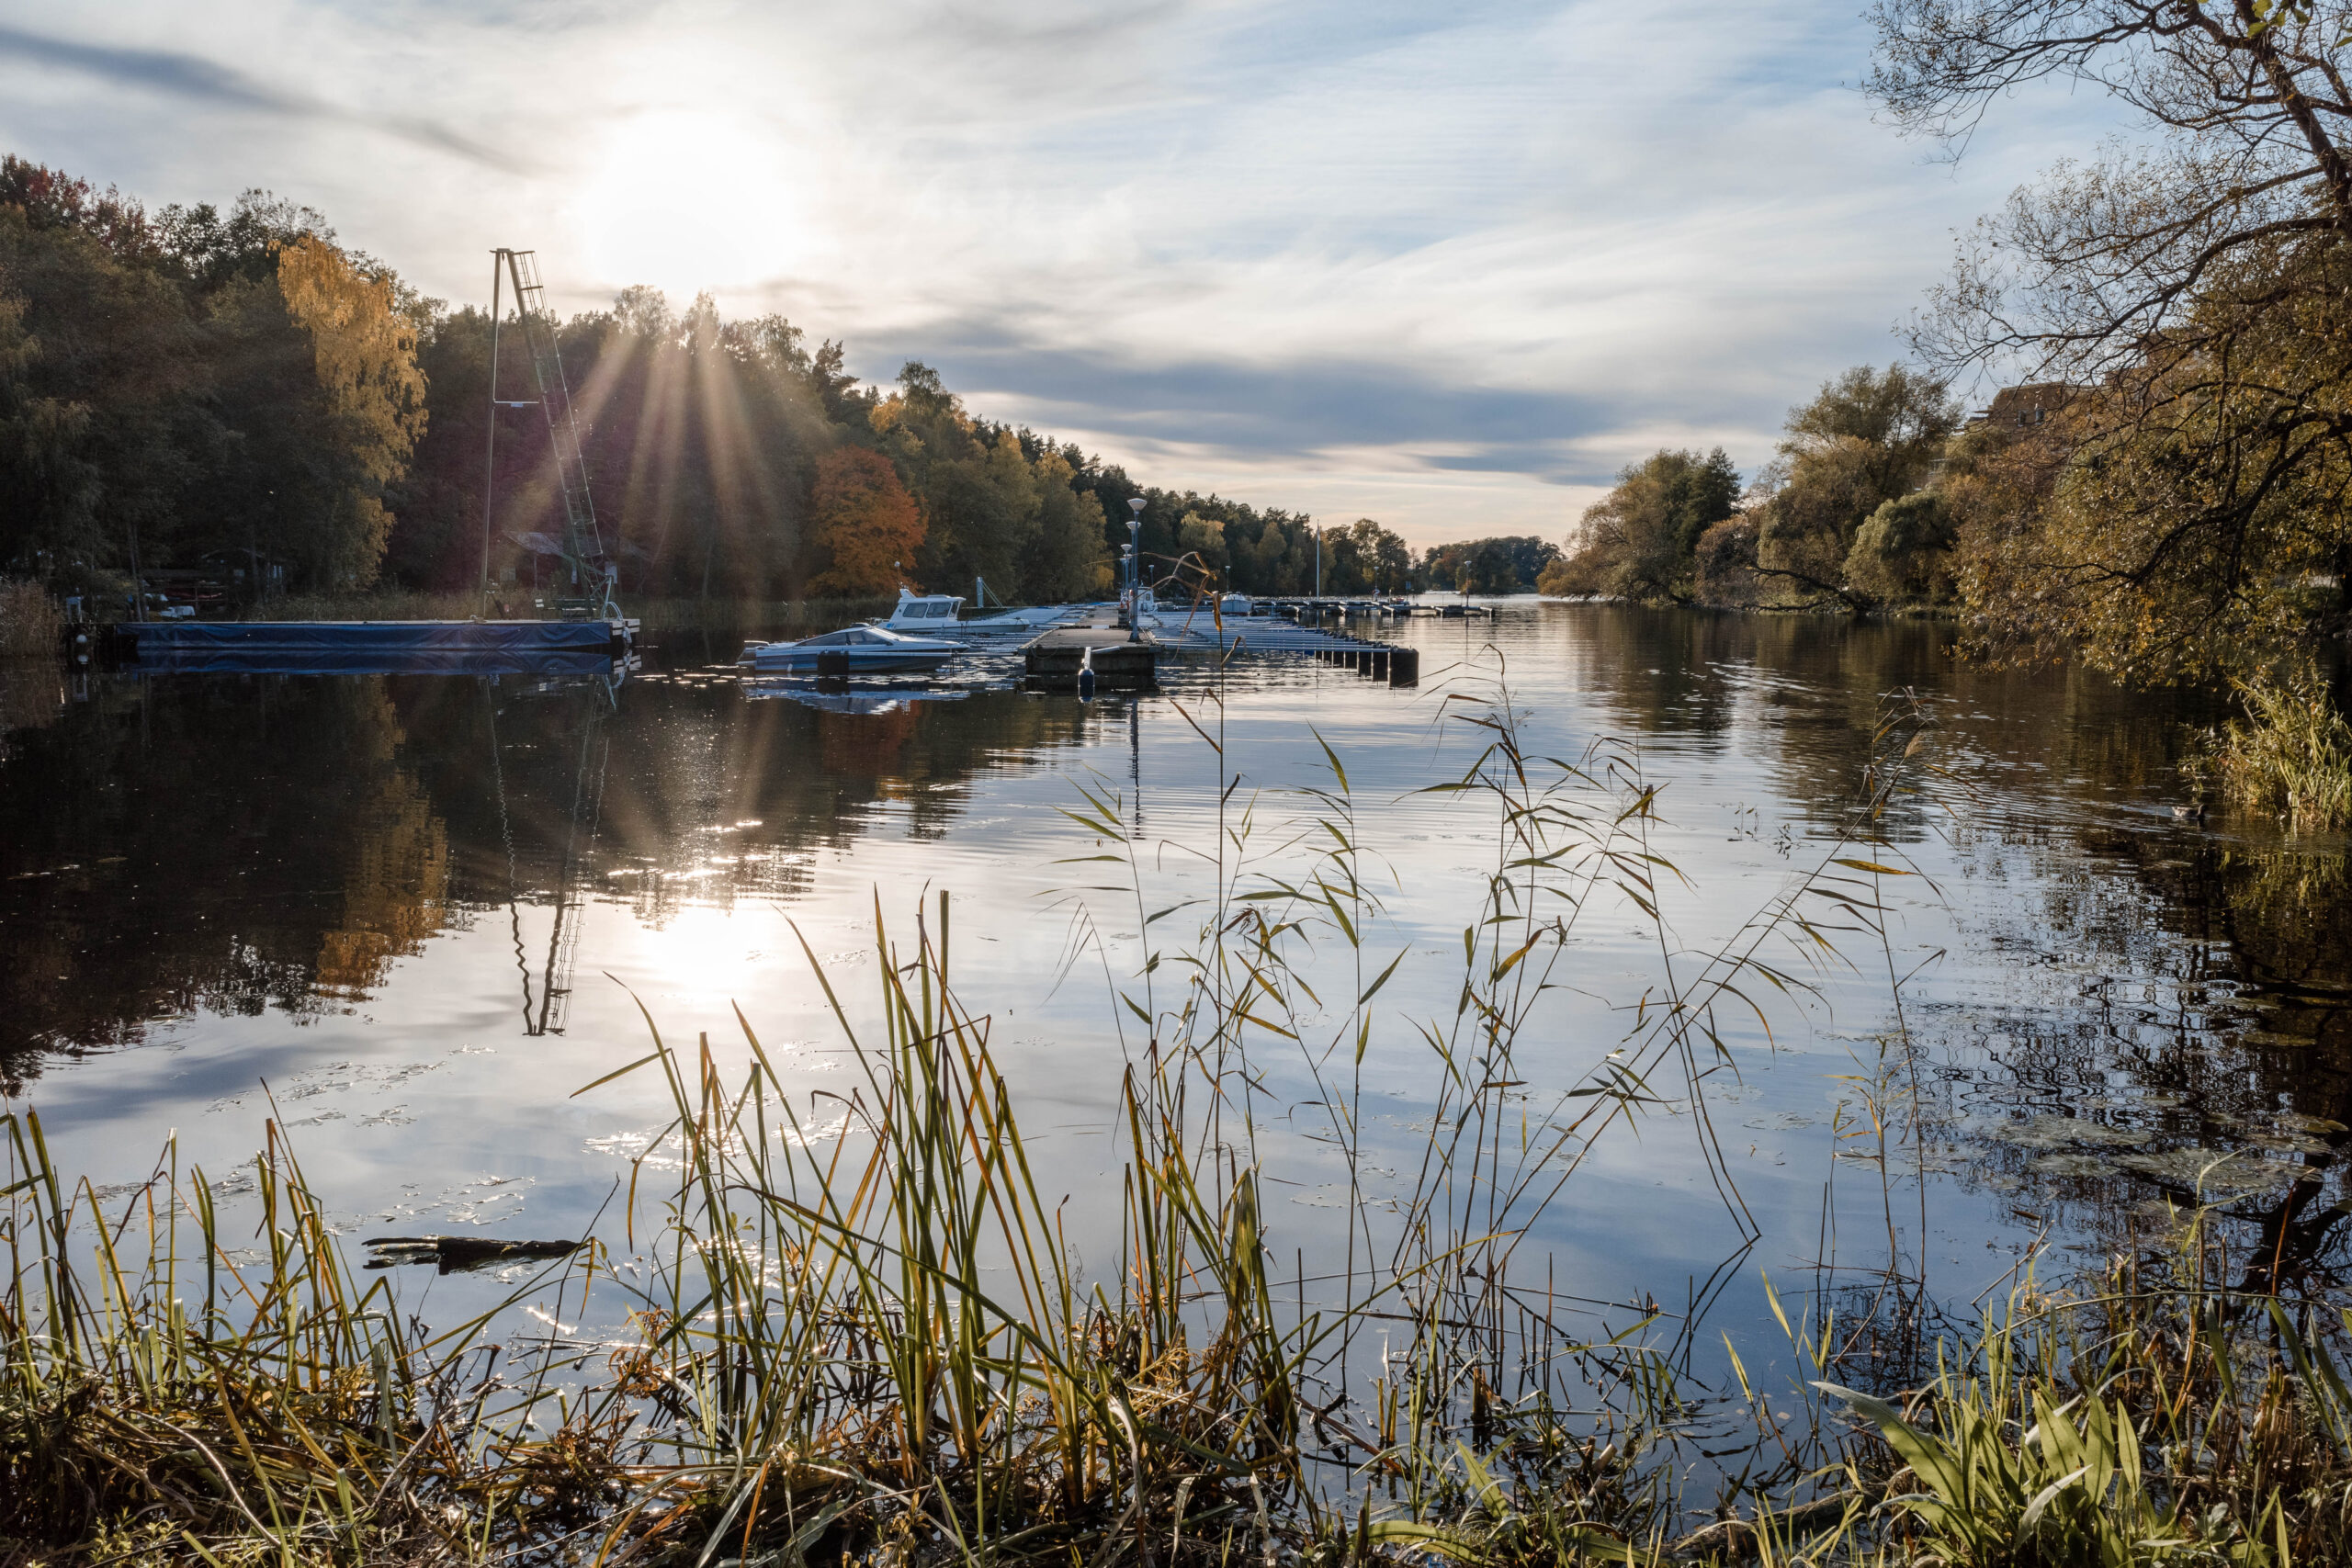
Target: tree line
(237, 392)
(1860, 508)
(2163, 484)
(2163, 488)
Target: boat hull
(849, 660)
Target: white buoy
(1086, 674)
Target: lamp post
(1134, 569)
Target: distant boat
(852, 650)
(931, 614)
(1234, 605)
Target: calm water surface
(415, 913)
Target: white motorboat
(852, 650)
(931, 614)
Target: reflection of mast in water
(570, 900)
(507, 837)
(544, 1014)
(1135, 756)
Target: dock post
(1404, 667)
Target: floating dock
(1053, 658)
(353, 646)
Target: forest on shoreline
(235, 392)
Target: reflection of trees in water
(246, 844)
(224, 844)
(2173, 996)
(1813, 685)
(2181, 997)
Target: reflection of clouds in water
(659, 1150)
(2077, 978)
(486, 1199)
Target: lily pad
(2215, 1172)
(2296, 1121)
(2076, 1165)
(2047, 1132)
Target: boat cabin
(923, 611)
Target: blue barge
(355, 646)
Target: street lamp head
(1136, 504)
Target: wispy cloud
(1453, 267)
(211, 85)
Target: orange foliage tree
(865, 522)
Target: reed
(2290, 756)
(858, 1332)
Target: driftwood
(452, 1254)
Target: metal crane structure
(589, 572)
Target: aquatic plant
(2290, 755)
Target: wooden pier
(1053, 658)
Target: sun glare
(687, 200)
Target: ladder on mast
(583, 546)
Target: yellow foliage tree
(363, 347)
(865, 522)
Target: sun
(688, 199)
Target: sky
(1447, 266)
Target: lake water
(413, 914)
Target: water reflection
(230, 844)
(2105, 1002)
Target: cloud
(207, 83)
(1450, 267)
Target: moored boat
(930, 614)
(852, 650)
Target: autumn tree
(1640, 540)
(2191, 281)
(365, 351)
(867, 525)
(1868, 437)
(1069, 559)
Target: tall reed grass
(861, 1330)
(2290, 756)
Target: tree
(1723, 565)
(867, 523)
(1509, 564)
(2192, 286)
(1069, 560)
(365, 351)
(1867, 438)
(1372, 560)
(1202, 540)
(107, 426)
(1903, 550)
(1639, 541)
